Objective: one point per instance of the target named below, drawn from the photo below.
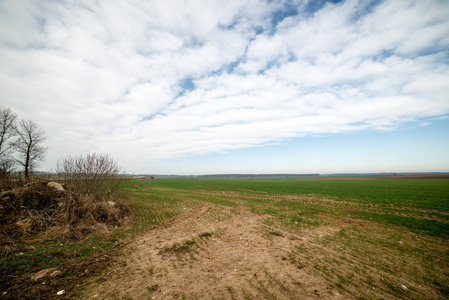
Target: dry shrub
(36, 213)
(94, 174)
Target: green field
(388, 238)
(420, 205)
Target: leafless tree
(29, 145)
(7, 132)
(96, 174)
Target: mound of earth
(42, 211)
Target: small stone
(316, 292)
(61, 292)
(404, 288)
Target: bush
(6, 167)
(37, 212)
(94, 174)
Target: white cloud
(107, 76)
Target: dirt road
(196, 256)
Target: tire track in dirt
(194, 256)
(427, 214)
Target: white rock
(112, 203)
(61, 292)
(55, 185)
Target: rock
(55, 185)
(112, 203)
(42, 273)
(61, 292)
(55, 273)
(29, 248)
(404, 288)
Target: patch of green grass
(52, 254)
(415, 193)
(275, 233)
(431, 227)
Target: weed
(275, 233)
(153, 288)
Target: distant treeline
(256, 175)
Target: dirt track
(193, 256)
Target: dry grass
(38, 213)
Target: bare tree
(7, 132)
(96, 174)
(29, 145)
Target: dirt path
(194, 256)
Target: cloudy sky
(244, 86)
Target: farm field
(282, 238)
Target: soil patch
(236, 258)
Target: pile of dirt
(39, 212)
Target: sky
(240, 86)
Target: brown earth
(194, 257)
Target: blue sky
(203, 87)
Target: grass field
(255, 238)
(367, 239)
